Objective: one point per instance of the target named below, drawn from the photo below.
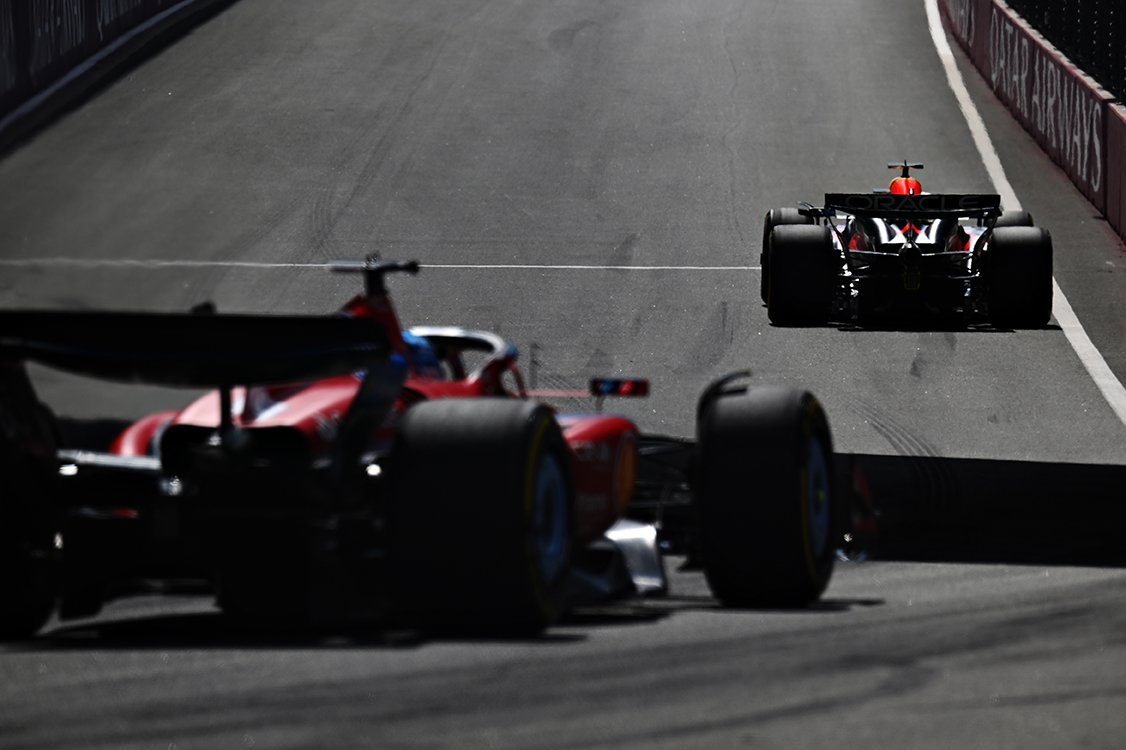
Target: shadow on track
(212, 630)
(991, 511)
(930, 325)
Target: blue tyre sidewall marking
(550, 516)
(817, 493)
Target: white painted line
(149, 264)
(595, 268)
(158, 264)
(1100, 372)
(1092, 360)
(977, 126)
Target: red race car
(345, 469)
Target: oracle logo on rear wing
(889, 205)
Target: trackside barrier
(48, 44)
(1075, 121)
(43, 43)
(44, 39)
(1115, 159)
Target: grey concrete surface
(578, 133)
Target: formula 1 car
(345, 469)
(902, 254)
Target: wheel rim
(817, 493)
(550, 516)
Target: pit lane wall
(46, 43)
(1077, 123)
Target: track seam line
(1092, 360)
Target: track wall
(1076, 122)
(46, 45)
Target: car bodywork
(906, 252)
(905, 255)
(336, 457)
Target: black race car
(902, 255)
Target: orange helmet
(905, 186)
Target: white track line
(1096, 366)
(158, 264)
(599, 268)
(1092, 360)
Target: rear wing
(192, 350)
(200, 351)
(926, 206)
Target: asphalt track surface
(645, 140)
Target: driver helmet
(422, 353)
(905, 186)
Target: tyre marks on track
(914, 489)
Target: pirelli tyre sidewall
(775, 217)
(764, 494)
(1014, 219)
(801, 273)
(1018, 267)
(481, 523)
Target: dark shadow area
(934, 326)
(817, 607)
(631, 612)
(645, 610)
(212, 630)
(991, 511)
(843, 605)
(90, 434)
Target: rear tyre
(764, 494)
(775, 217)
(28, 558)
(1014, 219)
(802, 273)
(482, 520)
(1019, 268)
(28, 591)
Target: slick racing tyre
(28, 556)
(802, 273)
(1014, 219)
(764, 494)
(775, 217)
(482, 519)
(1019, 269)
